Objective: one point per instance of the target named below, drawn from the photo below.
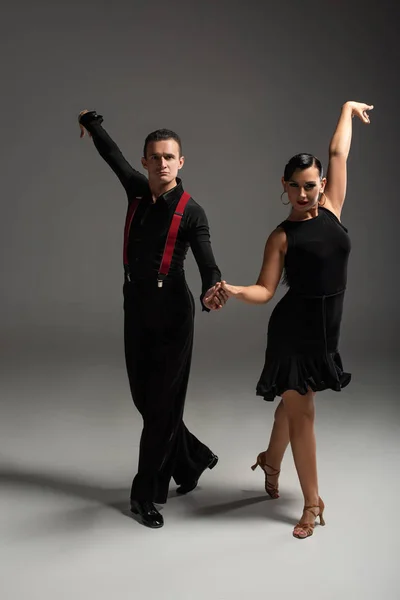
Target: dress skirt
(302, 349)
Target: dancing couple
(309, 251)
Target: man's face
(163, 161)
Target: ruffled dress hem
(301, 373)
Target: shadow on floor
(210, 503)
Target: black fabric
(158, 351)
(304, 328)
(159, 325)
(151, 223)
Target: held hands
(218, 295)
(360, 110)
(229, 291)
(83, 130)
(214, 299)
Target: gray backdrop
(246, 85)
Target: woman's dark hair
(161, 135)
(302, 161)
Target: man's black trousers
(158, 332)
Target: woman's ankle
(273, 460)
(311, 499)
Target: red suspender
(171, 237)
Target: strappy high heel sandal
(305, 530)
(272, 490)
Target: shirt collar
(174, 194)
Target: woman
(311, 247)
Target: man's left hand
(215, 298)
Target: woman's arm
(131, 179)
(270, 274)
(335, 190)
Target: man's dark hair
(160, 135)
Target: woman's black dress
(304, 328)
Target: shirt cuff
(90, 118)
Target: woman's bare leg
(279, 439)
(271, 458)
(300, 412)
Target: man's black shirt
(151, 222)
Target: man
(162, 222)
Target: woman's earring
(319, 201)
(284, 203)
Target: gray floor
(69, 439)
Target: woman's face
(304, 188)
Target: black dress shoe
(147, 513)
(189, 486)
